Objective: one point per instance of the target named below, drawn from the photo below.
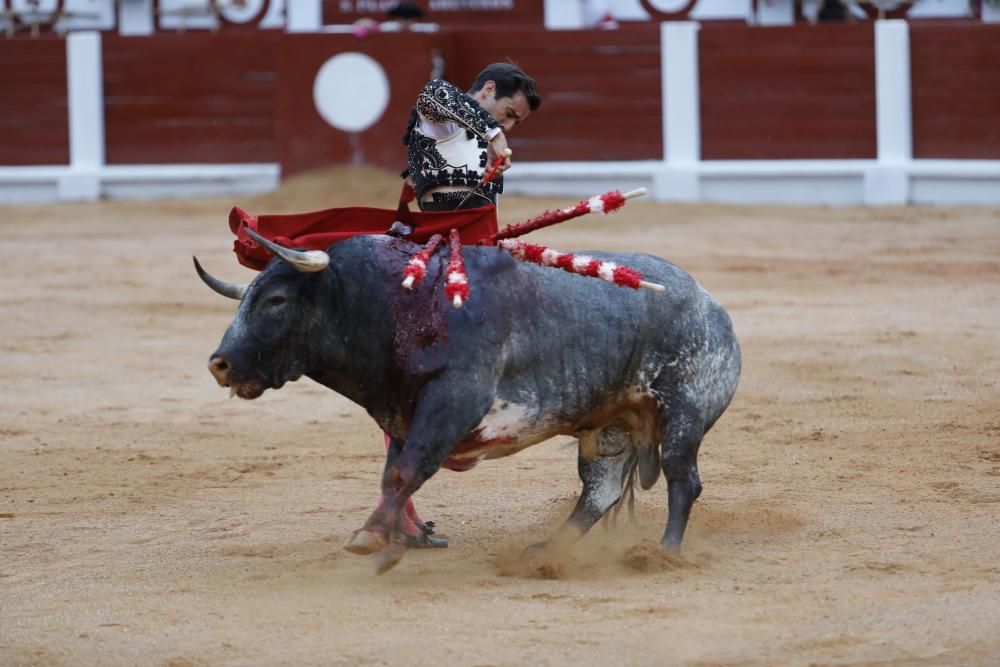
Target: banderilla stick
(489, 175)
(606, 203)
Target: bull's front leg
(419, 533)
(443, 416)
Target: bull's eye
(275, 301)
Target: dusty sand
(852, 492)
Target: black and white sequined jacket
(458, 158)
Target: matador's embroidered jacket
(447, 138)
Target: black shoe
(427, 539)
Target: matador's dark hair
(509, 79)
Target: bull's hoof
(671, 545)
(366, 542)
(387, 559)
(535, 549)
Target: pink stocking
(410, 516)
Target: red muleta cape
(318, 230)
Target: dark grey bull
(638, 377)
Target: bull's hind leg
(683, 428)
(603, 478)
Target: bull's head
(268, 342)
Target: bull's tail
(642, 469)
(629, 480)
(639, 461)
(630, 477)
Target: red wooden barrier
(307, 141)
(955, 73)
(600, 89)
(766, 93)
(34, 129)
(803, 92)
(190, 97)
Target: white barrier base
(20, 185)
(800, 182)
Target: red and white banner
(444, 12)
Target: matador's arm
(442, 102)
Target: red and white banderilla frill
(457, 281)
(416, 268)
(609, 202)
(457, 286)
(583, 265)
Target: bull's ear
(306, 261)
(231, 290)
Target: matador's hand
(497, 150)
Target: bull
(637, 377)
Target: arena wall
(601, 90)
(190, 98)
(787, 93)
(34, 106)
(956, 91)
(881, 113)
(308, 140)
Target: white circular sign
(351, 91)
(668, 6)
(241, 11)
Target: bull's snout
(219, 368)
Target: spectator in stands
(406, 13)
(597, 14)
(453, 136)
(832, 10)
(401, 16)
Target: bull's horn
(306, 261)
(232, 290)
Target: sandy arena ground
(851, 512)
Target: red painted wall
(190, 97)
(767, 93)
(802, 92)
(306, 140)
(34, 126)
(600, 89)
(955, 74)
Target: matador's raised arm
(442, 102)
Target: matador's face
(508, 111)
